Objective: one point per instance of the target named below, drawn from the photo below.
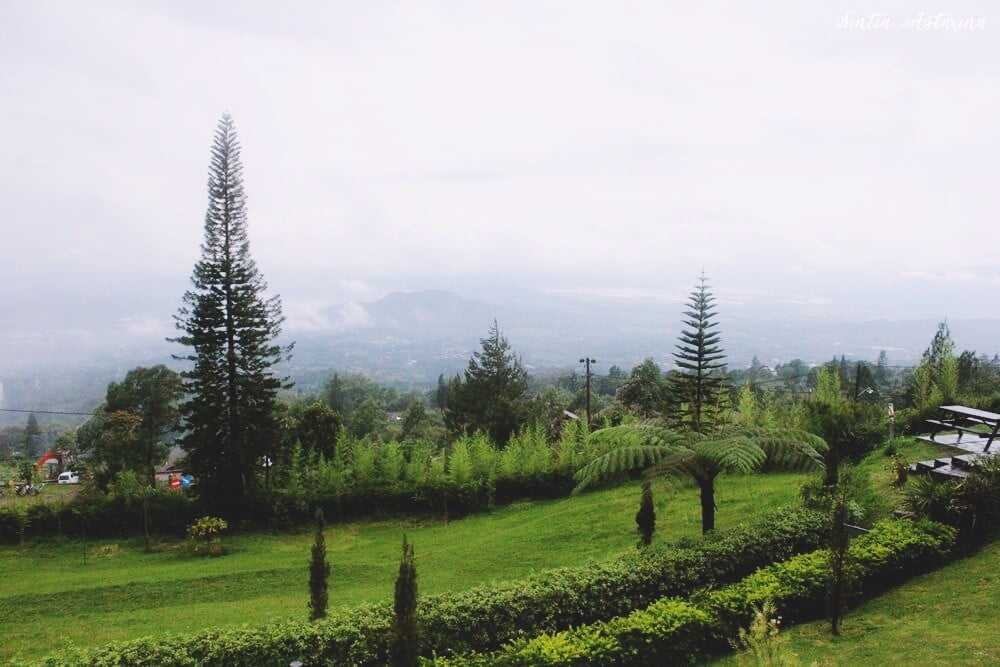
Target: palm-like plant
(687, 455)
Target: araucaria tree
(231, 328)
(491, 397)
(697, 384)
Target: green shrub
(891, 552)
(669, 631)
(204, 534)
(978, 500)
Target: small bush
(204, 534)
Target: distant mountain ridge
(407, 339)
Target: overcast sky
(838, 156)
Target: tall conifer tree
(231, 328)
(491, 398)
(698, 381)
(32, 437)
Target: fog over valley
(566, 170)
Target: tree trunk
(707, 505)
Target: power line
(49, 412)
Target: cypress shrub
(319, 572)
(404, 650)
(645, 518)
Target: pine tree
(441, 394)
(882, 373)
(645, 518)
(231, 328)
(404, 647)
(698, 381)
(491, 399)
(32, 437)
(319, 572)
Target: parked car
(68, 478)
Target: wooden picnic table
(964, 419)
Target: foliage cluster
(484, 618)
(972, 504)
(672, 631)
(471, 474)
(361, 478)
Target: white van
(68, 478)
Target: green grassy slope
(49, 597)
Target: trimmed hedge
(673, 631)
(484, 618)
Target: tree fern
(686, 455)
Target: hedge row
(485, 618)
(672, 631)
(169, 513)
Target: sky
(837, 158)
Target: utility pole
(588, 361)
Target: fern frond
(790, 449)
(682, 465)
(617, 463)
(736, 453)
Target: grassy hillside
(49, 597)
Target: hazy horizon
(816, 163)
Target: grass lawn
(946, 617)
(49, 597)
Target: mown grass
(50, 597)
